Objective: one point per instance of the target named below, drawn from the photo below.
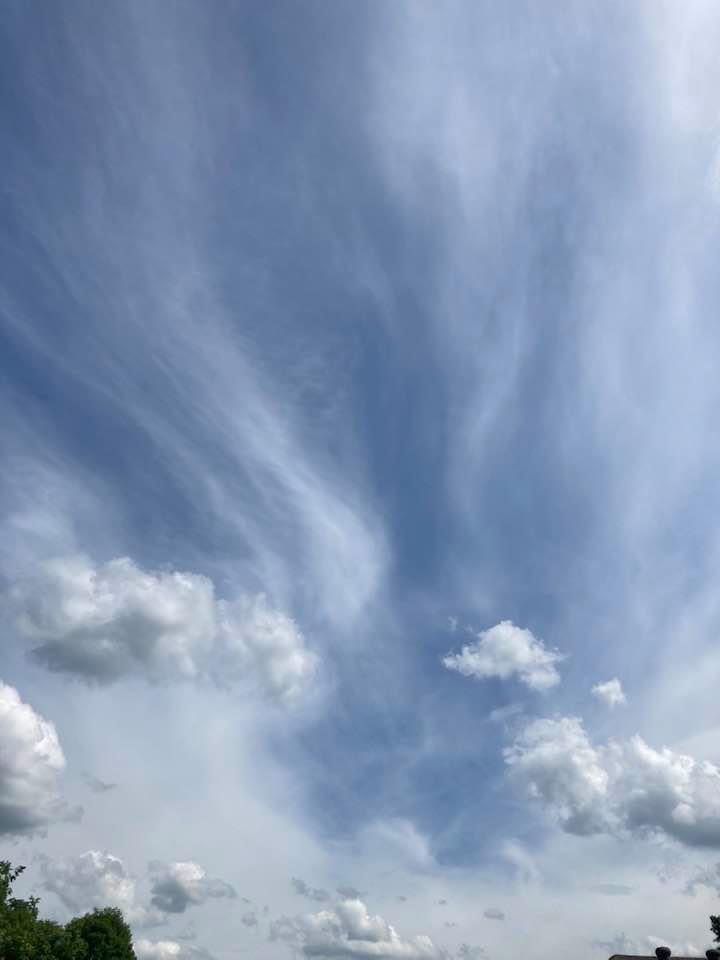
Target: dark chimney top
(663, 953)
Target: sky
(359, 553)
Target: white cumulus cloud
(31, 761)
(623, 785)
(611, 692)
(257, 639)
(112, 620)
(96, 879)
(178, 885)
(168, 950)
(505, 651)
(349, 930)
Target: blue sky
(358, 373)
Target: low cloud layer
(105, 622)
(624, 785)
(179, 885)
(31, 762)
(508, 651)
(348, 930)
(610, 693)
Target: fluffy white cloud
(256, 639)
(349, 931)
(624, 785)
(504, 651)
(31, 761)
(96, 879)
(93, 879)
(105, 622)
(611, 692)
(178, 885)
(168, 950)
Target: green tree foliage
(100, 935)
(715, 927)
(105, 933)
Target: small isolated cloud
(442, 903)
(622, 786)
(250, 919)
(169, 950)
(101, 623)
(348, 931)
(97, 785)
(349, 893)
(506, 651)
(492, 913)
(96, 879)
(611, 692)
(179, 885)
(310, 893)
(31, 762)
(402, 899)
